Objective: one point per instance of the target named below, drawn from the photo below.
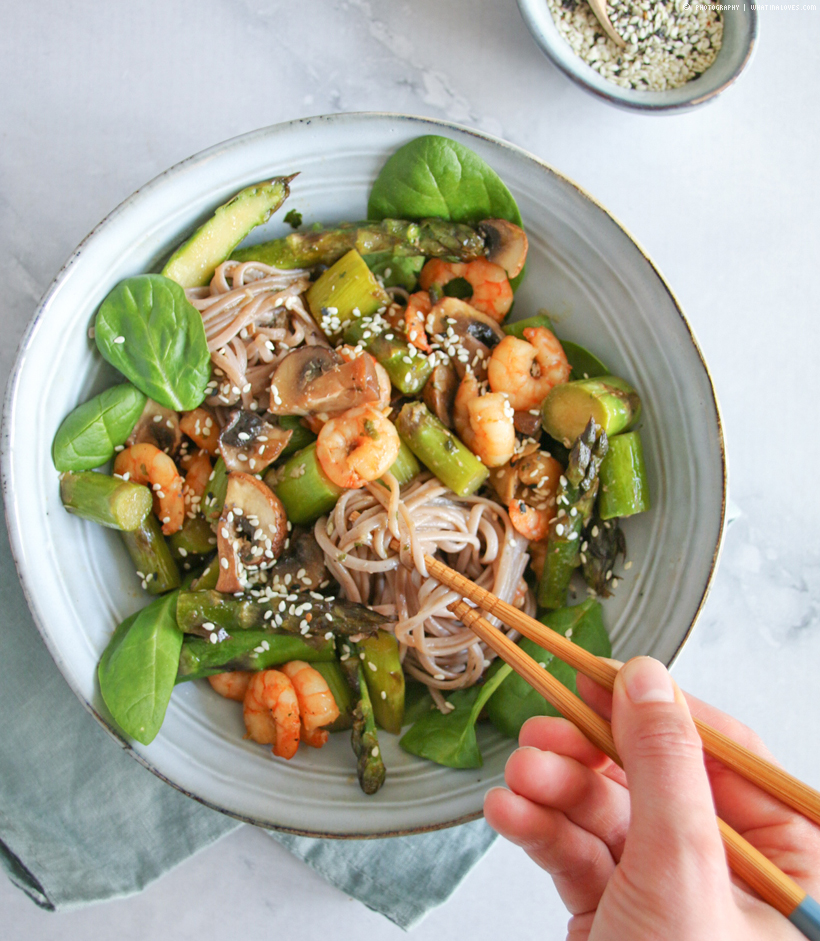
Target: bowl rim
(535, 13)
(10, 503)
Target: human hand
(648, 862)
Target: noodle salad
(303, 419)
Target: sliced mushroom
(440, 392)
(528, 424)
(301, 566)
(158, 426)
(506, 244)
(249, 444)
(250, 533)
(316, 379)
(471, 333)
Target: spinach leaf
(449, 738)
(147, 329)
(515, 701)
(585, 365)
(88, 435)
(396, 270)
(436, 176)
(139, 666)
(417, 701)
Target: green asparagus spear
(408, 368)
(199, 611)
(300, 438)
(608, 400)
(152, 557)
(110, 501)
(430, 237)
(601, 545)
(342, 694)
(214, 497)
(303, 487)
(348, 289)
(364, 738)
(624, 487)
(248, 650)
(405, 467)
(195, 538)
(208, 577)
(439, 449)
(575, 500)
(385, 678)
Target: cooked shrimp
(527, 369)
(316, 702)
(415, 314)
(357, 446)
(529, 521)
(232, 685)
(271, 712)
(196, 481)
(144, 464)
(484, 422)
(202, 428)
(492, 293)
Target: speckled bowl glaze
(739, 38)
(601, 290)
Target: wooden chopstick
(767, 776)
(758, 872)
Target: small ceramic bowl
(739, 38)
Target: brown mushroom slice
(249, 443)
(251, 531)
(472, 333)
(528, 424)
(301, 567)
(439, 392)
(158, 426)
(315, 379)
(506, 243)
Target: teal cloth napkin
(81, 821)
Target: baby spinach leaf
(515, 700)
(449, 738)
(395, 270)
(148, 329)
(139, 666)
(88, 435)
(436, 176)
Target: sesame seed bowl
(669, 41)
(602, 292)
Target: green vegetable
(152, 557)
(214, 497)
(200, 658)
(396, 270)
(602, 543)
(293, 218)
(303, 487)
(347, 290)
(207, 578)
(438, 448)
(89, 435)
(584, 364)
(449, 738)
(431, 238)
(148, 330)
(364, 738)
(300, 438)
(405, 467)
(109, 501)
(433, 176)
(515, 700)
(407, 368)
(194, 263)
(624, 488)
(385, 678)
(341, 692)
(138, 668)
(607, 400)
(575, 501)
(195, 538)
(417, 701)
(517, 327)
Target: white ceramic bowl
(602, 291)
(739, 38)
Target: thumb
(672, 812)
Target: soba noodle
(472, 534)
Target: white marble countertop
(100, 97)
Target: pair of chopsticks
(773, 885)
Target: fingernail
(647, 680)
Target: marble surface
(100, 97)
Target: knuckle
(667, 738)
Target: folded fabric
(98, 825)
